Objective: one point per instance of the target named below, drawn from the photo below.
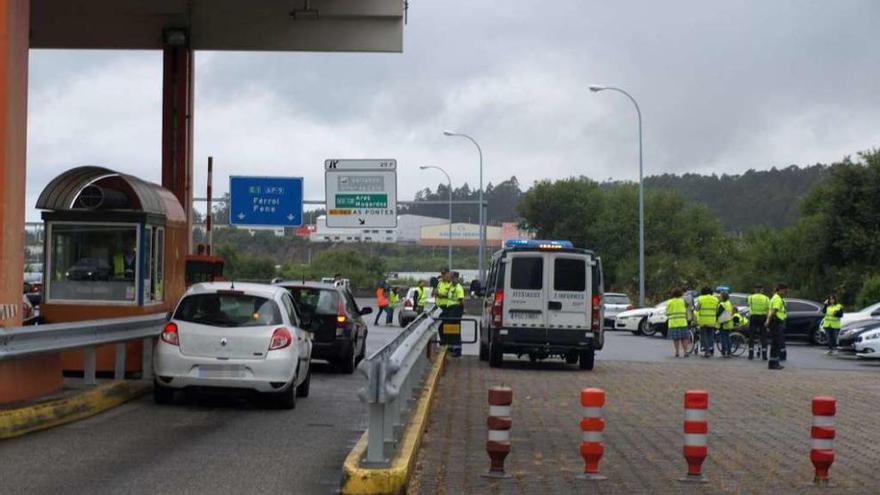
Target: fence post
(89, 366)
(147, 360)
(119, 368)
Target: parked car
(867, 345)
(331, 313)
(635, 320)
(804, 318)
(871, 312)
(543, 299)
(850, 332)
(33, 287)
(231, 336)
(407, 312)
(614, 303)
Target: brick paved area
(759, 429)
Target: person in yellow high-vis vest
(759, 307)
(726, 323)
(833, 311)
(776, 323)
(677, 322)
(706, 310)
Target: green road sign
(362, 201)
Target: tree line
(832, 246)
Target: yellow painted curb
(24, 420)
(393, 479)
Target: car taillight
(597, 306)
(498, 308)
(170, 335)
(341, 319)
(281, 338)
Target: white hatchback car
(234, 336)
(867, 345)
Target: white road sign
(361, 193)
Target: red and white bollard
(498, 422)
(592, 426)
(696, 432)
(822, 433)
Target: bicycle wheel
(694, 341)
(737, 344)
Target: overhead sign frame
(260, 201)
(361, 193)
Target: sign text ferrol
(361, 193)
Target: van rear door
(568, 304)
(524, 300)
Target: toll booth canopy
(106, 239)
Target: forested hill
(756, 198)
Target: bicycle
(738, 342)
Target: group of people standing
(387, 299)
(711, 313)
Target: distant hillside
(756, 198)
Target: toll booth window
(90, 262)
(527, 273)
(569, 274)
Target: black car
(852, 331)
(89, 269)
(331, 313)
(804, 321)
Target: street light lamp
(596, 88)
(449, 183)
(482, 249)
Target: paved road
(214, 445)
(624, 346)
(759, 429)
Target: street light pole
(449, 184)
(482, 249)
(596, 89)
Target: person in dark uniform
(776, 324)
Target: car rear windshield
(616, 299)
(312, 301)
(527, 273)
(570, 274)
(228, 310)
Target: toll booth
(114, 247)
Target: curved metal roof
(62, 192)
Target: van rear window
(527, 273)
(570, 274)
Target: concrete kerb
(45, 415)
(393, 479)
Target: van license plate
(523, 315)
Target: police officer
(442, 297)
(776, 323)
(726, 311)
(419, 297)
(706, 308)
(455, 309)
(759, 306)
(831, 323)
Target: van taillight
(597, 306)
(341, 318)
(497, 308)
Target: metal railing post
(89, 366)
(119, 368)
(147, 363)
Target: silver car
(615, 303)
(407, 308)
(234, 336)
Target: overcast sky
(723, 87)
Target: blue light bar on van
(537, 244)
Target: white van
(543, 299)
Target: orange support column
(26, 378)
(177, 122)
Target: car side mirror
(367, 310)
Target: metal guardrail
(393, 374)
(27, 341)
